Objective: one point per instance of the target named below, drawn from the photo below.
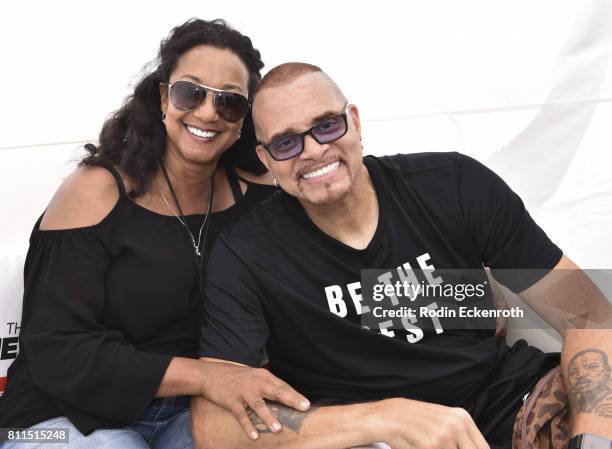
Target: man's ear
(354, 114)
(163, 94)
(263, 156)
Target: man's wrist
(375, 416)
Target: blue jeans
(164, 424)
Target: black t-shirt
(277, 278)
(105, 308)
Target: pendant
(196, 249)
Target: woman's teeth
(201, 133)
(322, 171)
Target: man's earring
(239, 134)
(275, 181)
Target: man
(288, 280)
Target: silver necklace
(197, 247)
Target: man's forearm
(587, 367)
(330, 427)
(570, 302)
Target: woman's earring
(239, 134)
(275, 181)
(163, 116)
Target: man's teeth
(322, 171)
(201, 133)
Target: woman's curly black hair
(133, 139)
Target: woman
(113, 278)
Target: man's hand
(240, 389)
(408, 424)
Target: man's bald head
(285, 73)
(279, 80)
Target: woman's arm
(233, 387)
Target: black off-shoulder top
(105, 309)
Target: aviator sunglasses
(188, 96)
(326, 131)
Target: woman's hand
(238, 388)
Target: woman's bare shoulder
(85, 197)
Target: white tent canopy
(523, 86)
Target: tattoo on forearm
(287, 416)
(590, 383)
